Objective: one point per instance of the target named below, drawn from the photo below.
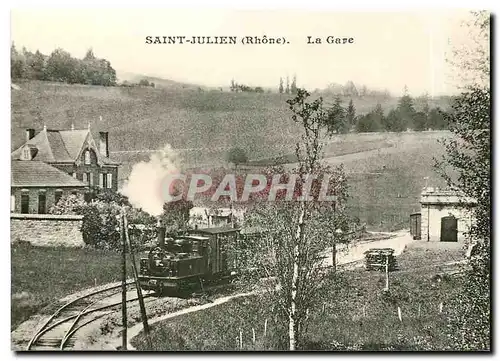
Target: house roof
(61, 146)
(32, 173)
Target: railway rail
(58, 331)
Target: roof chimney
(103, 144)
(30, 133)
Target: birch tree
(294, 248)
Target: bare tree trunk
(292, 322)
(334, 256)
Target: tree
(292, 249)
(237, 156)
(61, 66)
(38, 66)
(233, 86)
(391, 122)
(89, 55)
(293, 87)
(280, 89)
(423, 100)
(176, 215)
(17, 64)
(363, 91)
(336, 118)
(350, 89)
(371, 122)
(468, 154)
(287, 89)
(350, 115)
(466, 166)
(436, 119)
(419, 121)
(377, 117)
(406, 111)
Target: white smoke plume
(144, 185)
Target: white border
(354, 5)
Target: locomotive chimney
(160, 227)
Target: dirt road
(353, 253)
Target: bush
(100, 226)
(237, 156)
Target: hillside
(386, 170)
(159, 82)
(146, 118)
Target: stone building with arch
(446, 215)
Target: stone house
(54, 162)
(445, 215)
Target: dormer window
(27, 153)
(87, 157)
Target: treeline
(351, 90)
(142, 82)
(235, 87)
(290, 88)
(60, 66)
(344, 119)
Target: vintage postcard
(250, 180)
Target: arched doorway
(449, 229)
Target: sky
(390, 50)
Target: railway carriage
(200, 257)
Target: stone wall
(47, 229)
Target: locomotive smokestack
(160, 227)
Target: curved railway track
(57, 333)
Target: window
(84, 178)
(87, 157)
(12, 203)
(105, 180)
(73, 175)
(25, 202)
(90, 177)
(26, 153)
(42, 204)
(57, 196)
(109, 181)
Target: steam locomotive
(190, 261)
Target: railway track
(57, 333)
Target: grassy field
(41, 275)
(147, 118)
(356, 315)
